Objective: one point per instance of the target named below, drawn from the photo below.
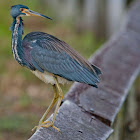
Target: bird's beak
(29, 12)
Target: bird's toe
(46, 124)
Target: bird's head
(22, 10)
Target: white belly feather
(48, 77)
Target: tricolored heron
(50, 59)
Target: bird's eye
(21, 9)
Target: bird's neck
(17, 31)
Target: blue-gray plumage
(49, 58)
(47, 53)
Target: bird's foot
(46, 124)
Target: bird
(52, 60)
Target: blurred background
(83, 24)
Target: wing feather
(55, 56)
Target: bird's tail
(97, 70)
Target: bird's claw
(46, 124)
(35, 128)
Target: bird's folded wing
(49, 56)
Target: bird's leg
(42, 120)
(47, 124)
(50, 106)
(60, 98)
